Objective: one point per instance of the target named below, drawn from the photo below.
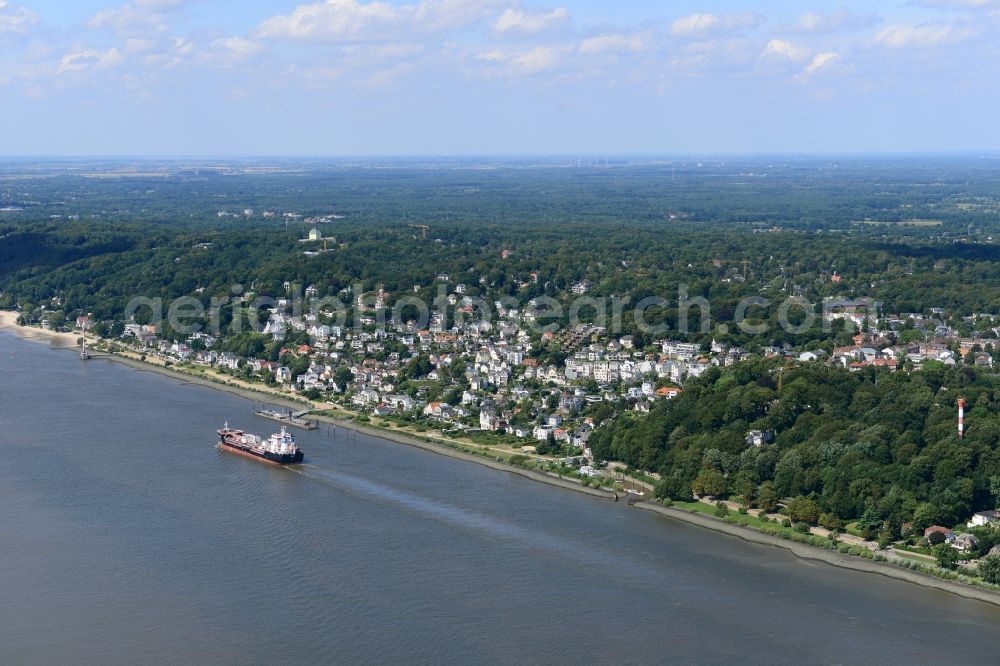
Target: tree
(746, 488)
(548, 446)
(767, 496)
(343, 376)
(989, 568)
(453, 397)
(420, 366)
(709, 482)
(831, 522)
(946, 556)
(995, 489)
(926, 515)
(869, 523)
(673, 488)
(935, 538)
(298, 366)
(803, 509)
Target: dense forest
(912, 235)
(873, 443)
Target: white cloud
(523, 63)
(960, 4)
(615, 43)
(159, 4)
(821, 61)
(173, 53)
(842, 19)
(375, 20)
(398, 50)
(780, 50)
(318, 77)
(695, 25)
(89, 59)
(702, 25)
(136, 17)
(520, 22)
(492, 56)
(182, 47)
(388, 76)
(332, 19)
(432, 15)
(136, 45)
(15, 19)
(716, 57)
(925, 35)
(237, 47)
(538, 59)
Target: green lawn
(709, 509)
(913, 556)
(912, 549)
(771, 528)
(852, 528)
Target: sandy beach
(8, 320)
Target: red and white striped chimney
(961, 418)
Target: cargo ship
(278, 449)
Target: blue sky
(446, 77)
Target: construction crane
(423, 228)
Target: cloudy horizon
(433, 77)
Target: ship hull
(272, 458)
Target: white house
(488, 420)
(759, 437)
(983, 518)
(229, 361)
(542, 432)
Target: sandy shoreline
(8, 320)
(803, 551)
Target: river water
(126, 537)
